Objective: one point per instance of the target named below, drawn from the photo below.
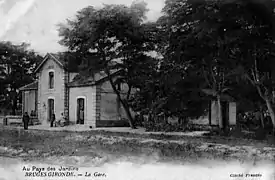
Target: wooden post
(23, 102)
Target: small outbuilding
(229, 112)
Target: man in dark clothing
(52, 119)
(26, 119)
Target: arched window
(51, 80)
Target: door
(50, 108)
(225, 113)
(80, 111)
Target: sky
(35, 21)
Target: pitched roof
(31, 86)
(84, 81)
(55, 57)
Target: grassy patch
(38, 144)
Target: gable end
(48, 55)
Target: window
(51, 80)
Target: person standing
(52, 119)
(26, 119)
(32, 113)
(81, 117)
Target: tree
(117, 35)
(197, 42)
(170, 86)
(18, 63)
(216, 37)
(256, 50)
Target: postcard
(137, 90)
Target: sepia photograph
(137, 90)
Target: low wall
(17, 120)
(13, 120)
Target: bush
(112, 123)
(260, 134)
(163, 127)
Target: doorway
(225, 113)
(80, 111)
(50, 108)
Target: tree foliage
(17, 65)
(208, 49)
(219, 38)
(117, 35)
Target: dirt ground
(48, 143)
(101, 148)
